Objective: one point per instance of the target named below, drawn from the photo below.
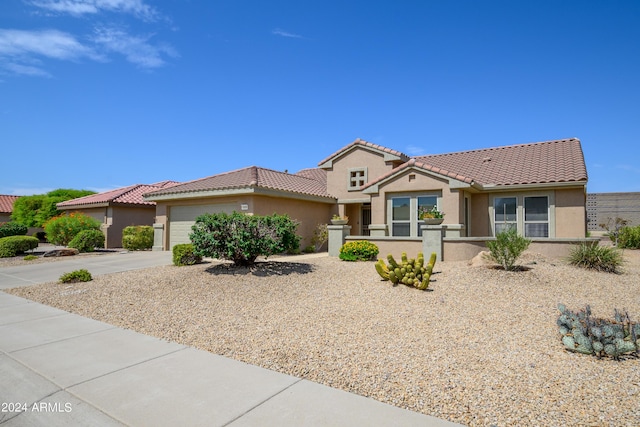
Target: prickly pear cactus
(583, 333)
(410, 271)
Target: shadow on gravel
(262, 269)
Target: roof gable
(388, 154)
(252, 177)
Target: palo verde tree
(242, 238)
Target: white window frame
(413, 221)
(520, 211)
(356, 178)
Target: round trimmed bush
(87, 240)
(183, 254)
(358, 250)
(14, 245)
(137, 237)
(12, 229)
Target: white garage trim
(182, 218)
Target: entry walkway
(61, 369)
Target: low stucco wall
(465, 248)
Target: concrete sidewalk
(61, 369)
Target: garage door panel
(182, 218)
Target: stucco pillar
(158, 237)
(105, 230)
(432, 236)
(455, 230)
(377, 230)
(337, 234)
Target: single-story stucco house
(6, 207)
(117, 209)
(538, 188)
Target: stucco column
(158, 237)
(432, 236)
(377, 230)
(337, 234)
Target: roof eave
(240, 191)
(84, 206)
(532, 186)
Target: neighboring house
(117, 209)
(253, 190)
(604, 208)
(6, 207)
(538, 188)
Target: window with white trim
(404, 209)
(357, 178)
(536, 216)
(530, 214)
(505, 213)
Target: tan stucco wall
(338, 175)
(121, 216)
(115, 218)
(479, 215)
(416, 182)
(308, 213)
(571, 214)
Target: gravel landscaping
(480, 348)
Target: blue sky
(100, 94)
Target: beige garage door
(181, 218)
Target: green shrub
(309, 249)
(30, 257)
(14, 245)
(137, 237)
(320, 236)
(12, 229)
(62, 229)
(629, 237)
(183, 254)
(507, 247)
(76, 276)
(358, 250)
(87, 240)
(596, 257)
(242, 238)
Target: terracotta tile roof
(249, 177)
(6, 203)
(131, 195)
(317, 174)
(534, 163)
(360, 142)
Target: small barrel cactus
(410, 271)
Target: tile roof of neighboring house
(249, 177)
(131, 195)
(558, 161)
(6, 203)
(362, 143)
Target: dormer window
(357, 178)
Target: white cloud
(81, 7)
(279, 32)
(21, 51)
(136, 49)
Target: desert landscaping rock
(480, 348)
(61, 252)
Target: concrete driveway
(30, 274)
